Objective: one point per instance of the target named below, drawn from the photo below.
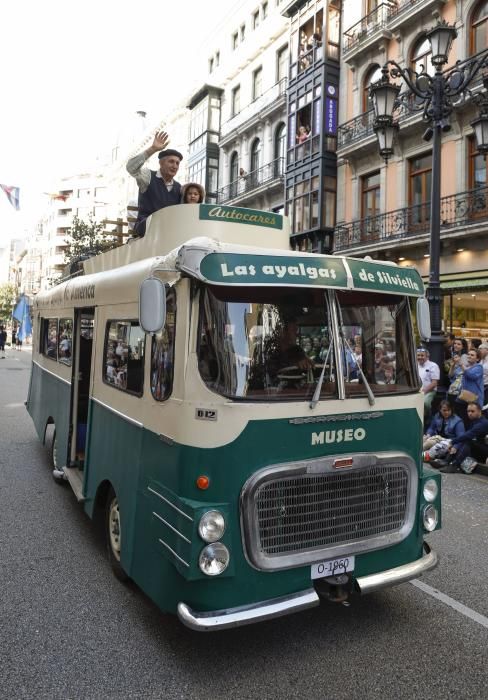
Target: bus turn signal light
(203, 482)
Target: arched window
(421, 54)
(256, 160)
(234, 173)
(479, 28)
(372, 76)
(280, 149)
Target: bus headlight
(211, 526)
(431, 490)
(430, 517)
(214, 559)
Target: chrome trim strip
(172, 528)
(181, 512)
(174, 553)
(249, 524)
(400, 574)
(247, 614)
(53, 374)
(130, 420)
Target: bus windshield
(273, 343)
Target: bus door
(82, 342)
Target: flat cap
(170, 152)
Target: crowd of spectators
(455, 438)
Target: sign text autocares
(279, 271)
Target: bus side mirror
(152, 305)
(423, 318)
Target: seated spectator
(445, 425)
(192, 193)
(470, 441)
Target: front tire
(113, 530)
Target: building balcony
(464, 214)
(260, 108)
(265, 178)
(381, 23)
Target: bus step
(75, 478)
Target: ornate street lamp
(441, 37)
(435, 95)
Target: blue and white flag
(22, 314)
(13, 195)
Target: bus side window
(123, 365)
(163, 353)
(64, 340)
(49, 342)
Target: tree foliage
(8, 296)
(86, 239)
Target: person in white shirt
(429, 376)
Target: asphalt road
(69, 629)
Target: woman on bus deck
(192, 193)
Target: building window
(370, 195)
(235, 41)
(420, 177)
(372, 76)
(256, 153)
(65, 337)
(329, 198)
(264, 10)
(255, 19)
(421, 56)
(280, 149)
(243, 32)
(282, 63)
(49, 338)
(479, 28)
(477, 166)
(257, 83)
(236, 100)
(234, 173)
(210, 65)
(163, 353)
(217, 58)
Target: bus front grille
(303, 513)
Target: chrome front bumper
(277, 607)
(400, 574)
(246, 614)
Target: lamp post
(435, 95)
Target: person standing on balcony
(157, 189)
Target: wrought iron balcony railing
(246, 184)
(458, 210)
(380, 18)
(268, 98)
(368, 24)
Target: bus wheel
(114, 535)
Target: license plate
(332, 567)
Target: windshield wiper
(320, 380)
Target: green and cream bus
(244, 420)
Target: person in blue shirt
(445, 425)
(472, 439)
(472, 381)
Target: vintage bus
(245, 421)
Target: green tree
(8, 296)
(86, 239)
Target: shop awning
(468, 283)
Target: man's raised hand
(161, 140)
